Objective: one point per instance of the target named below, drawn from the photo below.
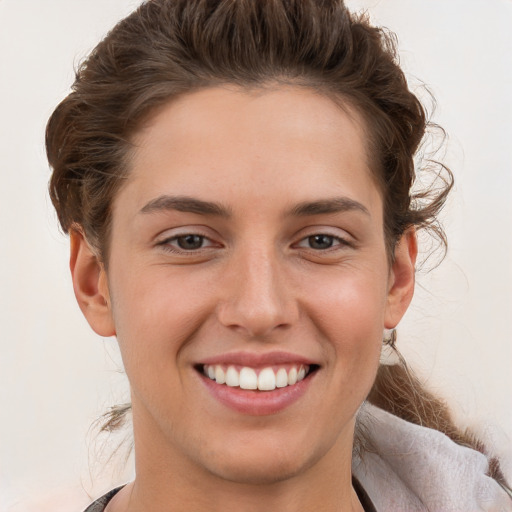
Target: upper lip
(255, 360)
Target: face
(247, 245)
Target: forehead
(228, 142)
(231, 114)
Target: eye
(321, 241)
(190, 242)
(187, 242)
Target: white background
(56, 376)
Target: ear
(90, 285)
(401, 279)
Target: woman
(236, 181)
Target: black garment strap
(100, 504)
(364, 499)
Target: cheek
(155, 313)
(348, 310)
(350, 302)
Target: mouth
(257, 384)
(268, 378)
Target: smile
(257, 384)
(264, 379)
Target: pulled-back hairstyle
(171, 47)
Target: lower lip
(257, 403)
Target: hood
(418, 469)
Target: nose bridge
(259, 299)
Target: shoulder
(414, 468)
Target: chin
(260, 472)
(263, 463)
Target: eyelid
(165, 238)
(344, 238)
(175, 238)
(306, 238)
(184, 230)
(341, 242)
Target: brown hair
(171, 47)
(166, 48)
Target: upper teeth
(247, 378)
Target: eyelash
(167, 243)
(341, 242)
(336, 243)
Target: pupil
(190, 241)
(320, 241)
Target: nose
(258, 297)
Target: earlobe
(90, 285)
(402, 279)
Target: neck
(168, 481)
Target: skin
(256, 285)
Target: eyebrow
(193, 205)
(326, 206)
(187, 205)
